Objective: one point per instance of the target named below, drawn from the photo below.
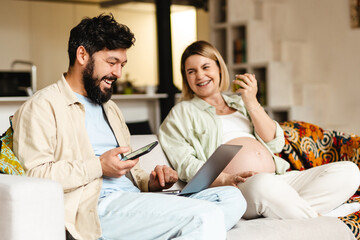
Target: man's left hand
(162, 177)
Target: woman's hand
(248, 89)
(225, 179)
(235, 179)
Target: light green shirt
(192, 131)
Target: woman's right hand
(248, 88)
(225, 179)
(235, 179)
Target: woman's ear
(82, 55)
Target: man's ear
(82, 55)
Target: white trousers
(204, 215)
(300, 194)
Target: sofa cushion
(308, 145)
(31, 208)
(9, 164)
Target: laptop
(209, 171)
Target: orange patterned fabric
(307, 146)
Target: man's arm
(46, 142)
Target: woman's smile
(202, 84)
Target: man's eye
(111, 63)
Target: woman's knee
(351, 173)
(261, 186)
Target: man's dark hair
(98, 33)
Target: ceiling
(111, 3)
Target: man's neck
(74, 79)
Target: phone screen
(139, 152)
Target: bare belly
(252, 157)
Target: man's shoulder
(49, 92)
(48, 95)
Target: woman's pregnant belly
(252, 157)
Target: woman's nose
(199, 74)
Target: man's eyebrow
(113, 58)
(116, 59)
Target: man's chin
(106, 96)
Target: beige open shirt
(51, 141)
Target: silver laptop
(209, 171)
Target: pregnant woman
(206, 118)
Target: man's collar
(67, 92)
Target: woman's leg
(300, 194)
(268, 195)
(327, 186)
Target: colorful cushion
(307, 145)
(9, 164)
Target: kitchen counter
(135, 108)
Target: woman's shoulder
(184, 105)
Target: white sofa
(33, 209)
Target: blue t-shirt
(103, 139)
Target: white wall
(316, 37)
(39, 32)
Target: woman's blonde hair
(207, 50)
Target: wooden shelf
(245, 44)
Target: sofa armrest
(155, 157)
(31, 208)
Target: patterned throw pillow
(308, 145)
(9, 164)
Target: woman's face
(203, 75)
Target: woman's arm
(177, 138)
(264, 126)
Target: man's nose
(117, 71)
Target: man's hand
(111, 164)
(162, 177)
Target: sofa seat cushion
(31, 208)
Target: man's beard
(92, 85)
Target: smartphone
(140, 151)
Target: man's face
(101, 72)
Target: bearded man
(71, 132)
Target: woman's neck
(219, 103)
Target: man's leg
(229, 199)
(126, 215)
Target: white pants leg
(126, 215)
(300, 194)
